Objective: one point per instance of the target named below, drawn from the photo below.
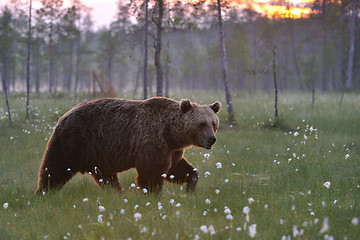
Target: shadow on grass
(278, 124)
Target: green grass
(281, 170)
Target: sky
(103, 11)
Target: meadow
(298, 178)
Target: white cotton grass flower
(229, 217)
(252, 230)
(227, 210)
(217, 191)
(99, 218)
(85, 200)
(6, 205)
(355, 221)
(325, 226)
(102, 209)
(327, 184)
(137, 216)
(207, 201)
(207, 173)
(246, 211)
(211, 230)
(204, 229)
(347, 156)
(218, 165)
(251, 200)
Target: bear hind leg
(52, 180)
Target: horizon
(103, 12)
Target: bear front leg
(181, 171)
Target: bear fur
(107, 136)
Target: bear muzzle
(210, 142)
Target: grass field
(298, 182)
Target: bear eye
(202, 125)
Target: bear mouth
(207, 146)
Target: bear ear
(185, 105)
(216, 106)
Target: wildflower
(207, 201)
(227, 210)
(145, 190)
(204, 229)
(147, 204)
(296, 134)
(137, 216)
(204, 213)
(218, 165)
(355, 221)
(163, 175)
(325, 226)
(252, 230)
(122, 211)
(251, 200)
(229, 217)
(327, 184)
(207, 155)
(217, 191)
(211, 230)
(226, 180)
(101, 209)
(100, 220)
(6, 205)
(347, 156)
(178, 205)
(246, 211)
(85, 199)
(133, 185)
(207, 173)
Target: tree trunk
(224, 67)
(51, 63)
(28, 64)
(298, 74)
(313, 81)
(146, 49)
(4, 82)
(77, 69)
(275, 83)
(158, 45)
(167, 68)
(352, 47)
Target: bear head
(200, 122)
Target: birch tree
(28, 63)
(224, 65)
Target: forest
(65, 53)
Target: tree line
(155, 46)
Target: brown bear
(107, 136)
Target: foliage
(116, 50)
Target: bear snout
(209, 142)
(212, 140)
